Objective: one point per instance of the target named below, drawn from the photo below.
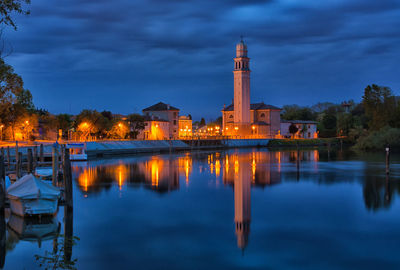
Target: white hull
(33, 207)
(78, 157)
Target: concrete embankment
(112, 148)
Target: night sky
(125, 55)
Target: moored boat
(77, 151)
(31, 196)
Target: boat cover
(30, 187)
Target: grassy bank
(303, 142)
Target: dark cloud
(124, 55)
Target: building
(165, 112)
(185, 126)
(306, 129)
(242, 118)
(265, 120)
(155, 129)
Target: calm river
(235, 209)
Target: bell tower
(241, 75)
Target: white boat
(77, 151)
(31, 196)
(44, 173)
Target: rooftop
(255, 106)
(299, 121)
(160, 106)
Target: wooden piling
(30, 161)
(3, 242)
(69, 233)
(35, 157)
(2, 184)
(18, 166)
(41, 153)
(67, 174)
(16, 150)
(298, 162)
(387, 160)
(54, 159)
(8, 156)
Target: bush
(378, 140)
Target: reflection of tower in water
(242, 186)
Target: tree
(293, 129)
(15, 101)
(136, 124)
(202, 122)
(379, 104)
(7, 7)
(295, 112)
(91, 122)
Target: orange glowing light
(236, 166)
(253, 127)
(155, 173)
(236, 128)
(217, 167)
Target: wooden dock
(19, 165)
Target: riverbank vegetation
(369, 125)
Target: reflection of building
(156, 173)
(185, 167)
(242, 186)
(264, 167)
(161, 174)
(242, 118)
(165, 112)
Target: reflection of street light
(1, 127)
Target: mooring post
(387, 159)
(30, 161)
(54, 159)
(298, 161)
(67, 175)
(8, 157)
(35, 157)
(18, 165)
(2, 184)
(16, 151)
(41, 153)
(3, 242)
(69, 232)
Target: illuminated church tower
(242, 186)
(241, 75)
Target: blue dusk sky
(125, 55)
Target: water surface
(236, 209)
